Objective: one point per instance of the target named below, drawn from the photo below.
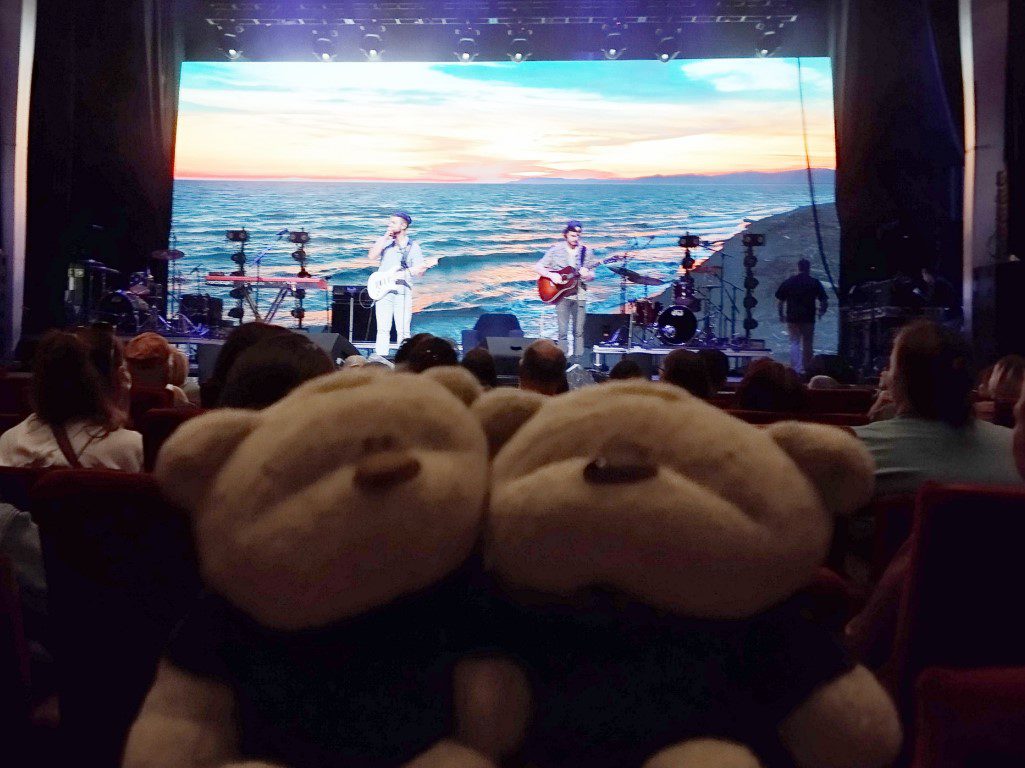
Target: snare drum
(141, 284)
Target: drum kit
(140, 306)
(673, 325)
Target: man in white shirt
(569, 253)
(397, 253)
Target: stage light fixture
(668, 47)
(229, 42)
(466, 46)
(770, 39)
(325, 44)
(614, 45)
(372, 44)
(519, 45)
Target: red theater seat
(854, 400)
(158, 425)
(16, 484)
(121, 573)
(963, 588)
(970, 717)
(893, 516)
(146, 398)
(771, 417)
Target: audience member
(821, 381)
(1005, 384)
(686, 370)
(771, 386)
(934, 435)
(1019, 434)
(238, 341)
(430, 352)
(270, 369)
(77, 420)
(149, 359)
(406, 347)
(626, 369)
(353, 362)
(481, 364)
(543, 368)
(883, 407)
(718, 367)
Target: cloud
(746, 75)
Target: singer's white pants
(397, 307)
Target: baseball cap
(405, 217)
(574, 225)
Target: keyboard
(306, 282)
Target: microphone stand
(258, 261)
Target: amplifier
(352, 313)
(202, 308)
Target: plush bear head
(354, 490)
(649, 491)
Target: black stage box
(351, 302)
(507, 352)
(599, 329)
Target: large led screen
(491, 160)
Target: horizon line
(334, 179)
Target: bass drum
(127, 312)
(676, 326)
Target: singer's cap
(572, 225)
(405, 217)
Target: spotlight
(466, 47)
(299, 238)
(325, 44)
(519, 45)
(668, 48)
(237, 235)
(372, 44)
(229, 42)
(299, 255)
(770, 38)
(690, 241)
(613, 47)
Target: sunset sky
(498, 122)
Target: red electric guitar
(550, 291)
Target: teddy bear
(336, 534)
(647, 548)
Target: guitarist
(570, 253)
(397, 252)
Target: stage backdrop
(491, 159)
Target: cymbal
(171, 255)
(99, 266)
(636, 277)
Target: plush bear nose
(386, 469)
(620, 461)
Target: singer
(400, 261)
(571, 253)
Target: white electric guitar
(383, 282)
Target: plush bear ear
(195, 453)
(503, 411)
(457, 380)
(838, 464)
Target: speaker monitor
(337, 346)
(507, 352)
(600, 328)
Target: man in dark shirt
(797, 296)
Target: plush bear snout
(386, 469)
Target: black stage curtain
(1016, 130)
(900, 158)
(101, 149)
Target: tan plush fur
(728, 524)
(704, 753)
(457, 380)
(503, 411)
(285, 532)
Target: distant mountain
(819, 176)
